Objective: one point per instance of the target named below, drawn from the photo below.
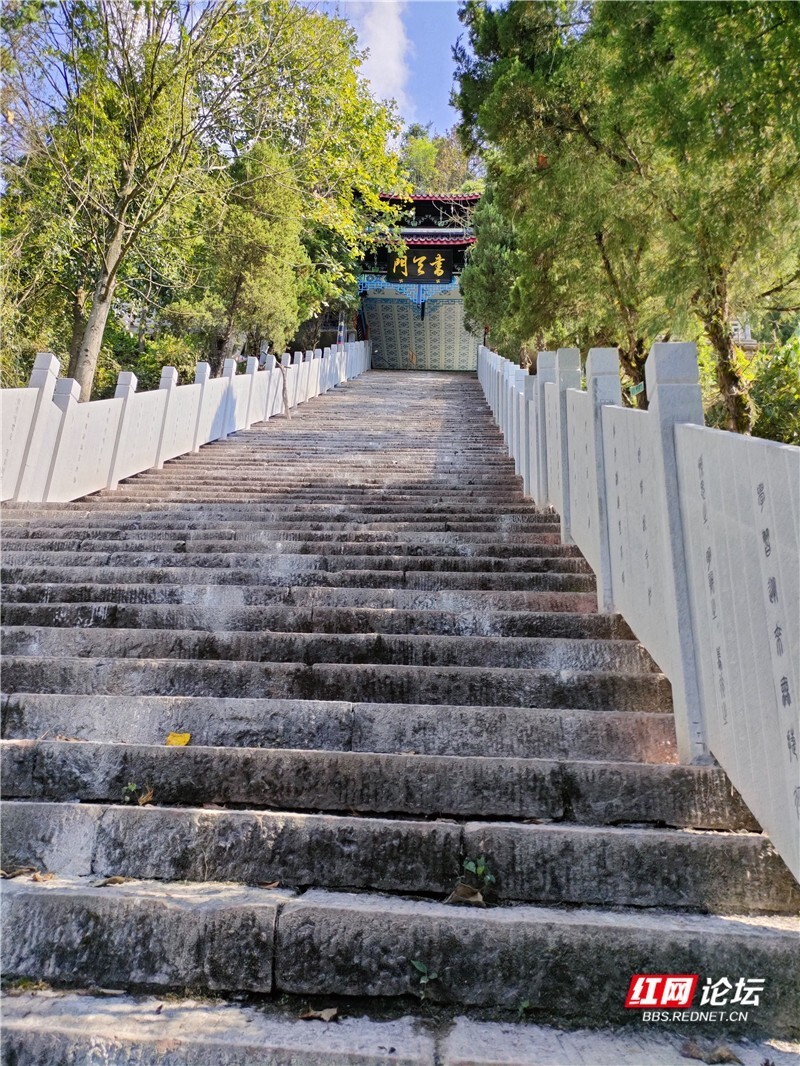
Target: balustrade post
(66, 395)
(202, 376)
(43, 377)
(169, 382)
(270, 364)
(528, 432)
(519, 400)
(316, 373)
(127, 383)
(568, 376)
(673, 391)
(229, 403)
(251, 370)
(545, 372)
(603, 389)
(327, 360)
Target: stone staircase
(389, 666)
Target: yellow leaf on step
(178, 740)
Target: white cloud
(382, 31)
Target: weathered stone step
(503, 732)
(290, 561)
(269, 490)
(114, 504)
(448, 547)
(221, 532)
(353, 683)
(724, 873)
(218, 597)
(75, 1030)
(281, 572)
(68, 1028)
(330, 943)
(146, 518)
(521, 653)
(210, 937)
(585, 792)
(318, 619)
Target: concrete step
(521, 653)
(723, 873)
(218, 937)
(55, 1026)
(502, 732)
(589, 793)
(340, 620)
(353, 683)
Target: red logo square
(649, 990)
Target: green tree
(137, 114)
(438, 163)
(650, 174)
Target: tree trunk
(78, 327)
(715, 315)
(228, 334)
(89, 353)
(632, 359)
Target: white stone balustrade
(55, 449)
(694, 536)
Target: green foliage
(773, 377)
(647, 167)
(480, 869)
(197, 175)
(438, 163)
(425, 977)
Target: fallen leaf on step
(159, 1008)
(269, 884)
(26, 984)
(722, 1054)
(178, 740)
(109, 881)
(327, 1015)
(712, 1056)
(42, 877)
(464, 893)
(146, 797)
(71, 740)
(409, 751)
(213, 807)
(108, 992)
(21, 871)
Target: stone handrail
(693, 536)
(55, 449)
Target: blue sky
(410, 59)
